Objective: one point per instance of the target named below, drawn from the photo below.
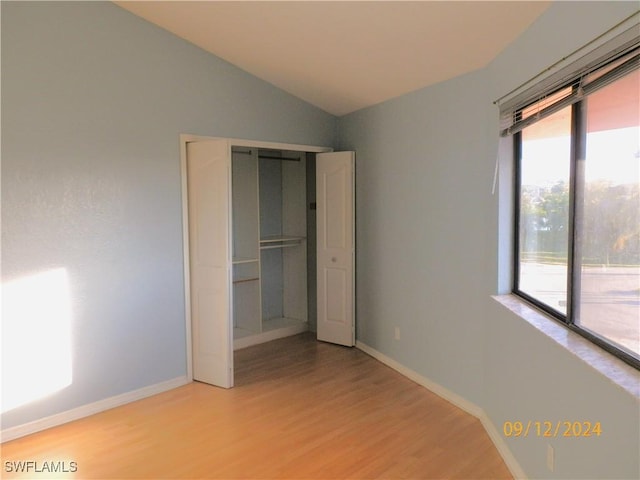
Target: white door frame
(232, 142)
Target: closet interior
(273, 244)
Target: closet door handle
(333, 259)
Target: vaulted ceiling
(343, 56)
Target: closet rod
(268, 157)
(241, 152)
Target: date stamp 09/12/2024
(550, 429)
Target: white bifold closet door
(336, 247)
(209, 207)
(209, 199)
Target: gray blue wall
(93, 102)
(427, 227)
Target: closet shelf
(280, 238)
(238, 260)
(245, 279)
(280, 241)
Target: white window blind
(592, 69)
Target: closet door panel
(208, 179)
(335, 247)
(336, 286)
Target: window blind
(592, 71)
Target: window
(577, 220)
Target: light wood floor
(300, 409)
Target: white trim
(238, 142)
(232, 142)
(439, 390)
(90, 409)
(460, 402)
(503, 449)
(184, 139)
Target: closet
(269, 247)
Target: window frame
(576, 188)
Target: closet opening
(273, 244)
(269, 247)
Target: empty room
(320, 240)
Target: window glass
(544, 209)
(609, 232)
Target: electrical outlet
(550, 457)
(397, 333)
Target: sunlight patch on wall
(36, 337)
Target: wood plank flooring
(301, 409)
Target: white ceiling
(343, 56)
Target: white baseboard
(460, 402)
(504, 451)
(90, 409)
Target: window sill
(614, 369)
